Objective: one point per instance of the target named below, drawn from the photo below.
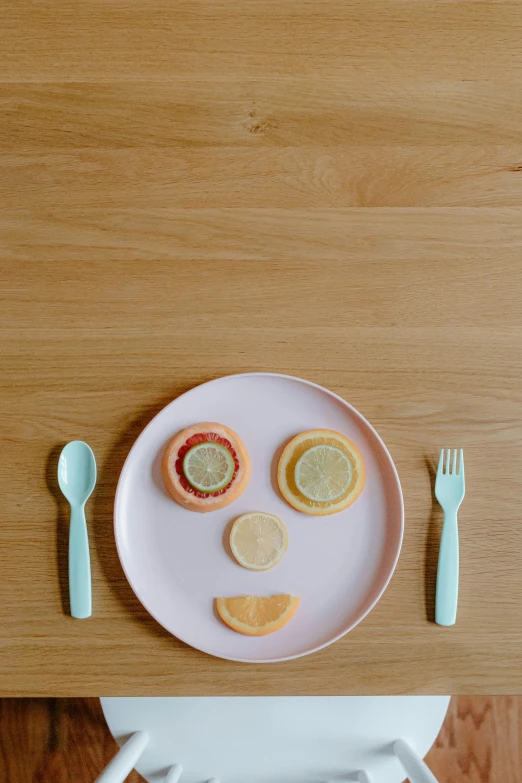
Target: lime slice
(208, 467)
(323, 473)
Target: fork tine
(448, 458)
(454, 468)
(461, 466)
(441, 463)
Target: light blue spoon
(77, 477)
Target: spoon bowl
(77, 472)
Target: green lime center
(208, 467)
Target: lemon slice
(323, 473)
(258, 540)
(208, 467)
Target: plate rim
(359, 417)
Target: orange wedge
(257, 616)
(321, 472)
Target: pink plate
(176, 561)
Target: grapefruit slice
(209, 478)
(257, 616)
(321, 472)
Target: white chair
(369, 739)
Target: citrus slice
(177, 484)
(321, 472)
(258, 540)
(208, 467)
(257, 616)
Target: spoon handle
(80, 594)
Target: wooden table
(331, 190)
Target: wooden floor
(66, 741)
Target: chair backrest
(123, 763)
(268, 739)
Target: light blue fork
(449, 491)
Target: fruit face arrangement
(206, 467)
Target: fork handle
(448, 572)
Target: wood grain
(286, 178)
(328, 190)
(74, 39)
(345, 109)
(480, 741)
(67, 741)
(58, 740)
